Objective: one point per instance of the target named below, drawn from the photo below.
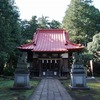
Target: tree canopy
(9, 32)
(28, 28)
(94, 47)
(81, 20)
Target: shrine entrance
(50, 67)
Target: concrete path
(50, 89)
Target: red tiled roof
(50, 40)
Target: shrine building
(50, 52)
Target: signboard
(64, 55)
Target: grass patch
(92, 94)
(7, 94)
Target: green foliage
(28, 28)
(8, 71)
(81, 20)
(54, 24)
(91, 94)
(43, 22)
(94, 47)
(6, 93)
(10, 35)
(3, 57)
(86, 56)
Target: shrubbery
(8, 71)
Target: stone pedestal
(21, 76)
(21, 81)
(78, 77)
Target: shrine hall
(50, 53)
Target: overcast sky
(54, 9)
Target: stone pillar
(21, 75)
(78, 75)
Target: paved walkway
(50, 89)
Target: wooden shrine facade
(49, 52)
(49, 64)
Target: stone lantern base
(21, 77)
(21, 81)
(78, 81)
(78, 77)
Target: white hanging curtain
(55, 61)
(42, 61)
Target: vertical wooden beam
(40, 66)
(59, 63)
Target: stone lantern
(78, 76)
(21, 75)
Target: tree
(81, 20)
(28, 28)
(9, 33)
(54, 24)
(94, 46)
(43, 22)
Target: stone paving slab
(50, 89)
